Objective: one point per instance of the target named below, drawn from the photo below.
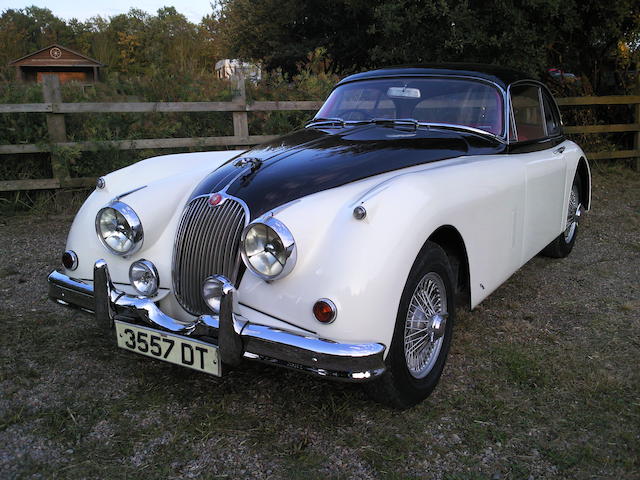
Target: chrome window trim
(465, 128)
(542, 116)
(555, 111)
(512, 119)
(541, 86)
(504, 94)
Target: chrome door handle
(559, 150)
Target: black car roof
(493, 73)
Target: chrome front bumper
(236, 337)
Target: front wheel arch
(450, 240)
(398, 386)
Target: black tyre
(422, 335)
(562, 245)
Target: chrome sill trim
(275, 346)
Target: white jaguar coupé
(341, 249)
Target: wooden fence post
(56, 126)
(240, 119)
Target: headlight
(119, 228)
(144, 277)
(268, 249)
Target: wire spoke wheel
(422, 332)
(562, 245)
(573, 214)
(425, 325)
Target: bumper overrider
(235, 337)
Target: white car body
(504, 208)
(501, 232)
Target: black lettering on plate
(143, 346)
(202, 352)
(171, 344)
(155, 346)
(187, 348)
(131, 343)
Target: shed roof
(55, 56)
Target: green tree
(24, 30)
(281, 33)
(531, 35)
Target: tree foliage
(587, 37)
(281, 33)
(582, 36)
(135, 43)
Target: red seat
(528, 131)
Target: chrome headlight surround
(127, 224)
(268, 249)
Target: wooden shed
(58, 60)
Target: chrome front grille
(206, 244)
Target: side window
(551, 115)
(527, 112)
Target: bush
(31, 128)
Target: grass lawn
(542, 382)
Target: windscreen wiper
(395, 121)
(464, 128)
(325, 121)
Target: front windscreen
(462, 102)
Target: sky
(194, 10)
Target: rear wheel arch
(582, 172)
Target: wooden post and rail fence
(55, 110)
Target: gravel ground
(542, 382)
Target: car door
(536, 142)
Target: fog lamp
(144, 277)
(212, 290)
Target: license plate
(169, 347)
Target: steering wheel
(348, 115)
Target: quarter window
(527, 112)
(551, 116)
